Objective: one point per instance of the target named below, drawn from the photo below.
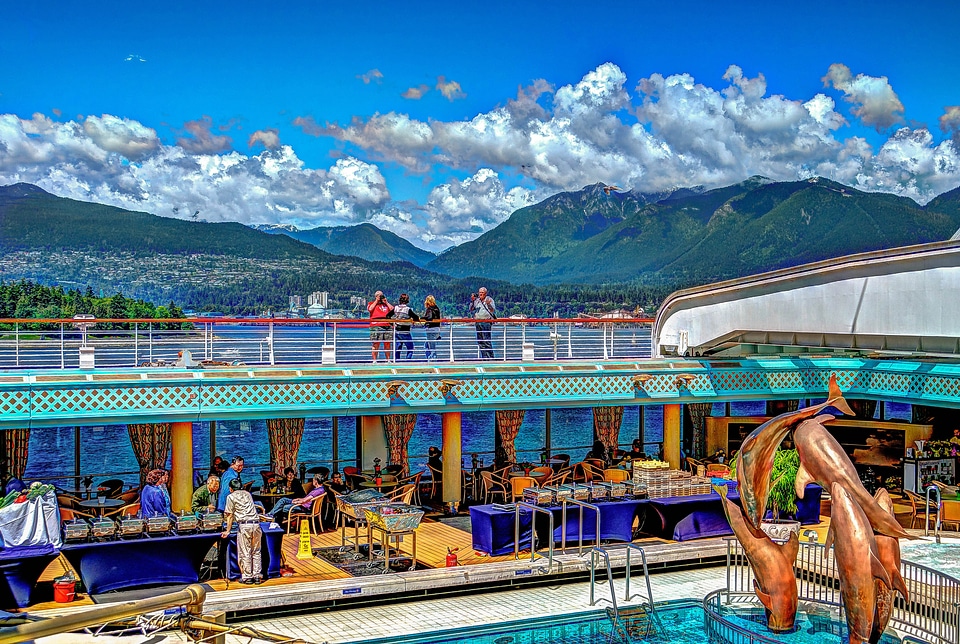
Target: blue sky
(437, 121)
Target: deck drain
(503, 640)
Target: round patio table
(533, 475)
(101, 505)
(384, 485)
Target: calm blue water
(682, 621)
(106, 449)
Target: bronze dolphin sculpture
(757, 451)
(855, 551)
(773, 566)
(823, 461)
(888, 551)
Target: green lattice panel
(940, 387)
(660, 385)
(14, 402)
(744, 382)
(264, 395)
(113, 400)
(574, 388)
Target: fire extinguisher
(452, 561)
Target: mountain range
(621, 248)
(365, 241)
(691, 236)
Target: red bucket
(64, 592)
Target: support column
(671, 435)
(181, 459)
(371, 442)
(451, 453)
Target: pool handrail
(533, 532)
(563, 524)
(926, 525)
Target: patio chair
(267, 475)
(353, 477)
(111, 488)
(615, 475)
(68, 514)
(403, 494)
(520, 483)
(547, 475)
(67, 500)
(394, 469)
(436, 480)
(130, 497)
(295, 514)
(561, 477)
(918, 508)
(717, 469)
(129, 510)
(492, 486)
(583, 472)
(415, 480)
(692, 464)
(562, 457)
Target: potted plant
(783, 497)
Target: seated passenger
(291, 484)
(205, 497)
(302, 504)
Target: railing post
(150, 341)
(569, 340)
(452, 328)
(270, 342)
(16, 342)
(136, 344)
(62, 349)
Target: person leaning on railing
(380, 332)
(404, 316)
(484, 310)
(431, 319)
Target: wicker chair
(492, 486)
(547, 475)
(615, 475)
(918, 508)
(520, 483)
(296, 514)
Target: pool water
(682, 620)
(943, 557)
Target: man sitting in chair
(302, 504)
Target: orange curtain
(399, 429)
(151, 444)
(606, 426)
(16, 443)
(285, 435)
(508, 426)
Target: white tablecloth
(32, 523)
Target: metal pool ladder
(632, 621)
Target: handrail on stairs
(597, 552)
(926, 524)
(563, 524)
(533, 532)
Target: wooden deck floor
(433, 539)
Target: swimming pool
(683, 623)
(943, 557)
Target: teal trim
(45, 398)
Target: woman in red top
(382, 332)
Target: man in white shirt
(240, 507)
(484, 311)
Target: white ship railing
(66, 344)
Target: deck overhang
(145, 395)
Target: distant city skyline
(437, 120)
